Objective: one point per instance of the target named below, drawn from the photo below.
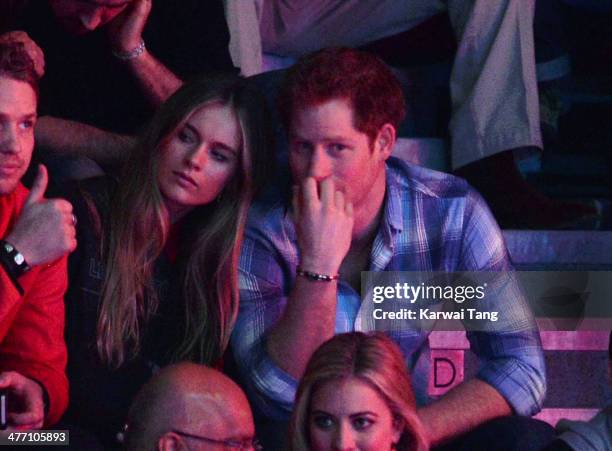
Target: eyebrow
(105, 4)
(355, 414)
(240, 437)
(319, 411)
(23, 116)
(326, 139)
(365, 412)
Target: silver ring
(74, 220)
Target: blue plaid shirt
(431, 222)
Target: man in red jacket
(36, 234)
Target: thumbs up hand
(45, 230)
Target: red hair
(361, 78)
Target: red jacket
(32, 325)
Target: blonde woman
(154, 277)
(356, 394)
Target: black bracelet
(316, 276)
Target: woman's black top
(100, 396)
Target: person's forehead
(16, 97)
(347, 396)
(335, 116)
(337, 105)
(217, 122)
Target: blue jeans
(511, 433)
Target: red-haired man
(356, 208)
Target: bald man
(190, 407)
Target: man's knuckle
(12, 376)
(64, 205)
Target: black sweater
(100, 396)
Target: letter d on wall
(452, 373)
(446, 370)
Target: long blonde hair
(372, 358)
(138, 225)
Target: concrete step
(576, 363)
(559, 250)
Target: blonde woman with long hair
(154, 277)
(356, 394)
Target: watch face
(19, 258)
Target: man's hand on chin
(125, 30)
(324, 222)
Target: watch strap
(13, 261)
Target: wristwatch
(13, 261)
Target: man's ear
(171, 442)
(385, 140)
